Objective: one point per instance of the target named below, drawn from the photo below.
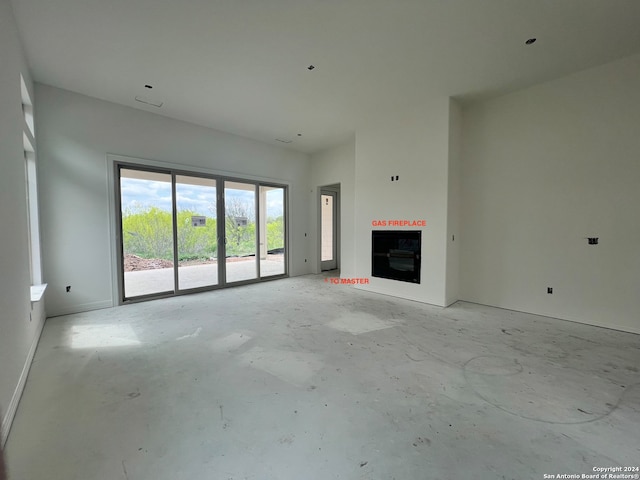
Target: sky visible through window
(137, 194)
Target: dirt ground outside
(134, 263)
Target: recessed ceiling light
(531, 41)
(311, 67)
(148, 86)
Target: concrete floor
(304, 379)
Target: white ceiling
(241, 65)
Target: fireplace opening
(395, 254)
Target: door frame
(117, 166)
(334, 190)
(115, 162)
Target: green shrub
(148, 233)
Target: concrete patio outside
(144, 282)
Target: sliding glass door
(183, 232)
(197, 232)
(272, 228)
(146, 205)
(240, 231)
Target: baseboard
(10, 414)
(83, 307)
(396, 295)
(619, 328)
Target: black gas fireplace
(395, 254)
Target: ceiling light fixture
(531, 41)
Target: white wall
(329, 167)
(75, 133)
(413, 144)
(452, 293)
(20, 326)
(542, 169)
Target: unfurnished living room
(319, 239)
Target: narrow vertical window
(31, 182)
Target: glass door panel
(240, 231)
(272, 231)
(147, 232)
(197, 234)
